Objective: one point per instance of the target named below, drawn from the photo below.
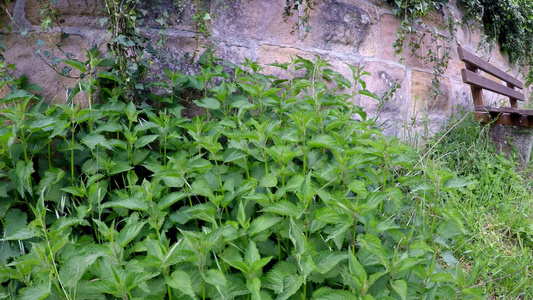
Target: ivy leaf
(181, 281)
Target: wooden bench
(510, 120)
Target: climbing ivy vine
(508, 22)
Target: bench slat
(470, 58)
(510, 110)
(504, 119)
(487, 84)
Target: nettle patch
(277, 192)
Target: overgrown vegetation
(497, 209)
(276, 192)
(280, 188)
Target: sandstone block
(384, 77)
(86, 13)
(342, 27)
(21, 51)
(425, 100)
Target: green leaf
(128, 233)
(251, 255)
(75, 191)
(291, 284)
(254, 286)
(216, 278)
(269, 180)
(145, 140)
(208, 103)
(129, 203)
(170, 199)
(326, 215)
(76, 64)
(110, 76)
(400, 287)
(23, 170)
(297, 237)
(326, 293)
(181, 281)
(35, 292)
(262, 223)
(74, 268)
(455, 183)
(93, 140)
(283, 207)
(373, 245)
(327, 260)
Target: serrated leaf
(326, 215)
(283, 207)
(93, 140)
(216, 278)
(373, 245)
(455, 183)
(262, 223)
(35, 292)
(326, 293)
(74, 268)
(181, 281)
(297, 237)
(269, 180)
(208, 103)
(128, 233)
(233, 154)
(23, 171)
(291, 284)
(400, 287)
(129, 203)
(327, 260)
(145, 140)
(251, 255)
(170, 199)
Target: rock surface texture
(357, 32)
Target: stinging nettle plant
(276, 192)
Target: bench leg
(506, 137)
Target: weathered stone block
(426, 100)
(381, 82)
(253, 19)
(86, 13)
(21, 51)
(340, 27)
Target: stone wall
(357, 32)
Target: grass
(497, 209)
